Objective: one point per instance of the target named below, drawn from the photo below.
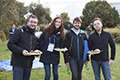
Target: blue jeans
(105, 69)
(47, 68)
(20, 73)
(76, 68)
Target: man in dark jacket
(76, 42)
(100, 40)
(11, 31)
(22, 42)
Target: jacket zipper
(78, 46)
(30, 49)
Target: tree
(66, 19)
(8, 15)
(42, 13)
(64, 16)
(22, 11)
(101, 9)
(65, 23)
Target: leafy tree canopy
(22, 10)
(8, 15)
(12, 11)
(42, 13)
(103, 10)
(66, 19)
(64, 16)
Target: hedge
(115, 32)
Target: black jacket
(75, 45)
(43, 42)
(101, 42)
(22, 39)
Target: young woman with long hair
(52, 37)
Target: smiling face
(77, 25)
(97, 25)
(57, 23)
(32, 23)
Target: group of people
(75, 40)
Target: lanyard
(52, 41)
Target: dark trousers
(76, 68)
(47, 68)
(20, 73)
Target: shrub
(115, 32)
(118, 25)
(2, 36)
(6, 32)
(42, 27)
(0, 41)
(65, 23)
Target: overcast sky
(73, 7)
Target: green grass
(38, 74)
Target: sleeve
(112, 46)
(15, 29)
(86, 56)
(67, 43)
(41, 41)
(90, 43)
(12, 44)
(85, 36)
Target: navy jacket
(11, 30)
(43, 42)
(101, 42)
(77, 46)
(22, 39)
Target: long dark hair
(51, 28)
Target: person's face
(77, 25)
(32, 23)
(57, 23)
(13, 26)
(89, 26)
(97, 25)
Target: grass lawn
(38, 74)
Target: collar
(28, 29)
(80, 31)
(100, 32)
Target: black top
(101, 42)
(50, 57)
(75, 45)
(22, 39)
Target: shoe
(7, 49)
